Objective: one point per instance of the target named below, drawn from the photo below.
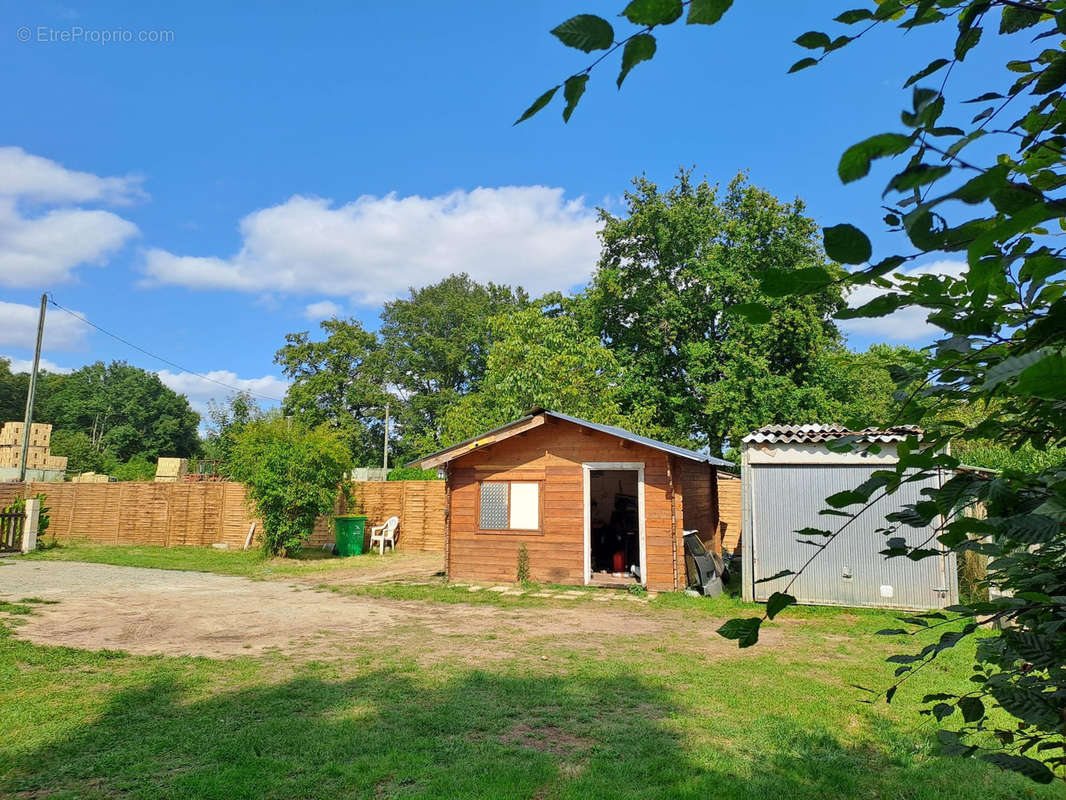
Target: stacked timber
(171, 470)
(38, 456)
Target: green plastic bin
(350, 531)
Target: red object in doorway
(619, 561)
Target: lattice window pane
(493, 506)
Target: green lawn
(648, 717)
(245, 563)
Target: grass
(651, 717)
(244, 563)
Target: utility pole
(28, 422)
(385, 456)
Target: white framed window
(509, 505)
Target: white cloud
(907, 325)
(375, 247)
(322, 310)
(26, 364)
(199, 391)
(42, 246)
(40, 180)
(18, 328)
(42, 251)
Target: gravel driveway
(148, 611)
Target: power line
(167, 361)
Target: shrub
(293, 473)
(412, 474)
(522, 571)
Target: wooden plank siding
(699, 486)
(553, 454)
(729, 513)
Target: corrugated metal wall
(850, 571)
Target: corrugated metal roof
(621, 433)
(818, 434)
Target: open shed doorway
(614, 520)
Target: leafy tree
(124, 410)
(137, 468)
(436, 342)
(81, 453)
(227, 420)
(13, 387)
(339, 382)
(672, 269)
(540, 360)
(988, 186)
(411, 474)
(293, 473)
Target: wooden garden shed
(592, 504)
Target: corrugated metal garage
(787, 473)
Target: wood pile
(38, 456)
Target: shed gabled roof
(536, 417)
(819, 434)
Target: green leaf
(753, 312)
(745, 631)
(652, 12)
(1032, 528)
(1011, 367)
(585, 32)
(572, 91)
(966, 42)
(846, 244)
(538, 104)
(980, 188)
(1054, 509)
(848, 497)
(880, 306)
(1045, 379)
(853, 16)
(915, 176)
(640, 48)
(1052, 77)
(706, 12)
(1015, 19)
(940, 63)
(1029, 767)
(777, 603)
(813, 40)
(778, 282)
(855, 163)
(803, 63)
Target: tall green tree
(436, 343)
(673, 268)
(987, 186)
(226, 420)
(81, 453)
(546, 361)
(13, 387)
(340, 382)
(124, 410)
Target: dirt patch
(152, 611)
(545, 739)
(398, 566)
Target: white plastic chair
(384, 534)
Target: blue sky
(274, 163)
